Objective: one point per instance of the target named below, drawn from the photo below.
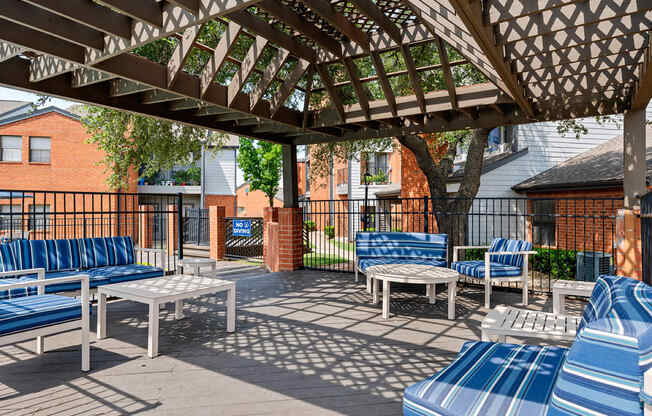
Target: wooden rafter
(146, 10)
(248, 65)
(643, 92)
(333, 93)
(384, 82)
(371, 10)
(181, 52)
(272, 69)
(415, 79)
(8, 51)
(446, 69)
(308, 92)
(223, 48)
(286, 88)
(339, 21)
(191, 5)
(360, 90)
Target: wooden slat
(272, 69)
(122, 87)
(181, 52)
(308, 92)
(339, 21)
(248, 65)
(643, 93)
(327, 81)
(191, 5)
(223, 48)
(159, 96)
(287, 16)
(360, 90)
(446, 69)
(371, 10)
(146, 10)
(593, 82)
(472, 16)
(38, 19)
(41, 42)
(501, 11)
(8, 51)
(89, 14)
(384, 82)
(415, 79)
(83, 77)
(286, 89)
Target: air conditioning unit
(591, 264)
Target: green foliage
(190, 176)
(378, 178)
(316, 260)
(130, 140)
(396, 230)
(261, 164)
(329, 231)
(310, 225)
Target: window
(11, 148)
(307, 176)
(543, 222)
(39, 217)
(10, 217)
(377, 164)
(39, 149)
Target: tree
(261, 163)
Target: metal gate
(245, 247)
(196, 227)
(646, 236)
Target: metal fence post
(425, 213)
(180, 224)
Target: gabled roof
(600, 167)
(25, 116)
(10, 105)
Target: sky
(11, 94)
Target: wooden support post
(290, 177)
(634, 159)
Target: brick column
(629, 259)
(146, 226)
(172, 229)
(290, 229)
(270, 239)
(217, 231)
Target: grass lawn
(343, 245)
(314, 260)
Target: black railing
(35, 215)
(196, 227)
(574, 237)
(250, 247)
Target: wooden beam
(339, 21)
(415, 79)
(272, 69)
(287, 16)
(190, 5)
(373, 12)
(471, 14)
(567, 18)
(306, 99)
(181, 52)
(159, 96)
(286, 89)
(501, 11)
(384, 82)
(40, 42)
(580, 84)
(145, 10)
(360, 90)
(248, 65)
(446, 69)
(268, 31)
(51, 24)
(185, 104)
(121, 87)
(223, 48)
(8, 51)
(643, 92)
(290, 177)
(89, 14)
(84, 77)
(327, 81)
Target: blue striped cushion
(31, 254)
(63, 254)
(121, 250)
(501, 244)
(7, 258)
(36, 311)
(94, 252)
(489, 379)
(116, 274)
(600, 302)
(604, 369)
(475, 268)
(16, 293)
(363, 264)
(420, 246)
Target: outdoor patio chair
(607, 370)
(505, 261)
(375, 248)
(27, 312)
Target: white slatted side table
(504, 321)
(563, 288)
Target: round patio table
(413, 274)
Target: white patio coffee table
(197, 263)
(159, 290)
(413, 274)
(563, 288)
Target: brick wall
(226, 201)
(252, 203)
(282, 239)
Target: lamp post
(365, 217)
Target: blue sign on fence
(242, 228)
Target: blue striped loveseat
(374, 248)
(602, 373)
(104, 259)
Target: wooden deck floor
(307, 343)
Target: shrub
(329, 230)
(396, 230)
(310, 225)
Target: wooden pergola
(541, 59)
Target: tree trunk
(451, 213)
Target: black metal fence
(34, 215)
(574, 237)
(250, 247)
(196, 227)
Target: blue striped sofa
(104, 259)
(505, 261)
(374, 248)
(601, 374)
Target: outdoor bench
(378, 248)
(606, 371)
(104, 259)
